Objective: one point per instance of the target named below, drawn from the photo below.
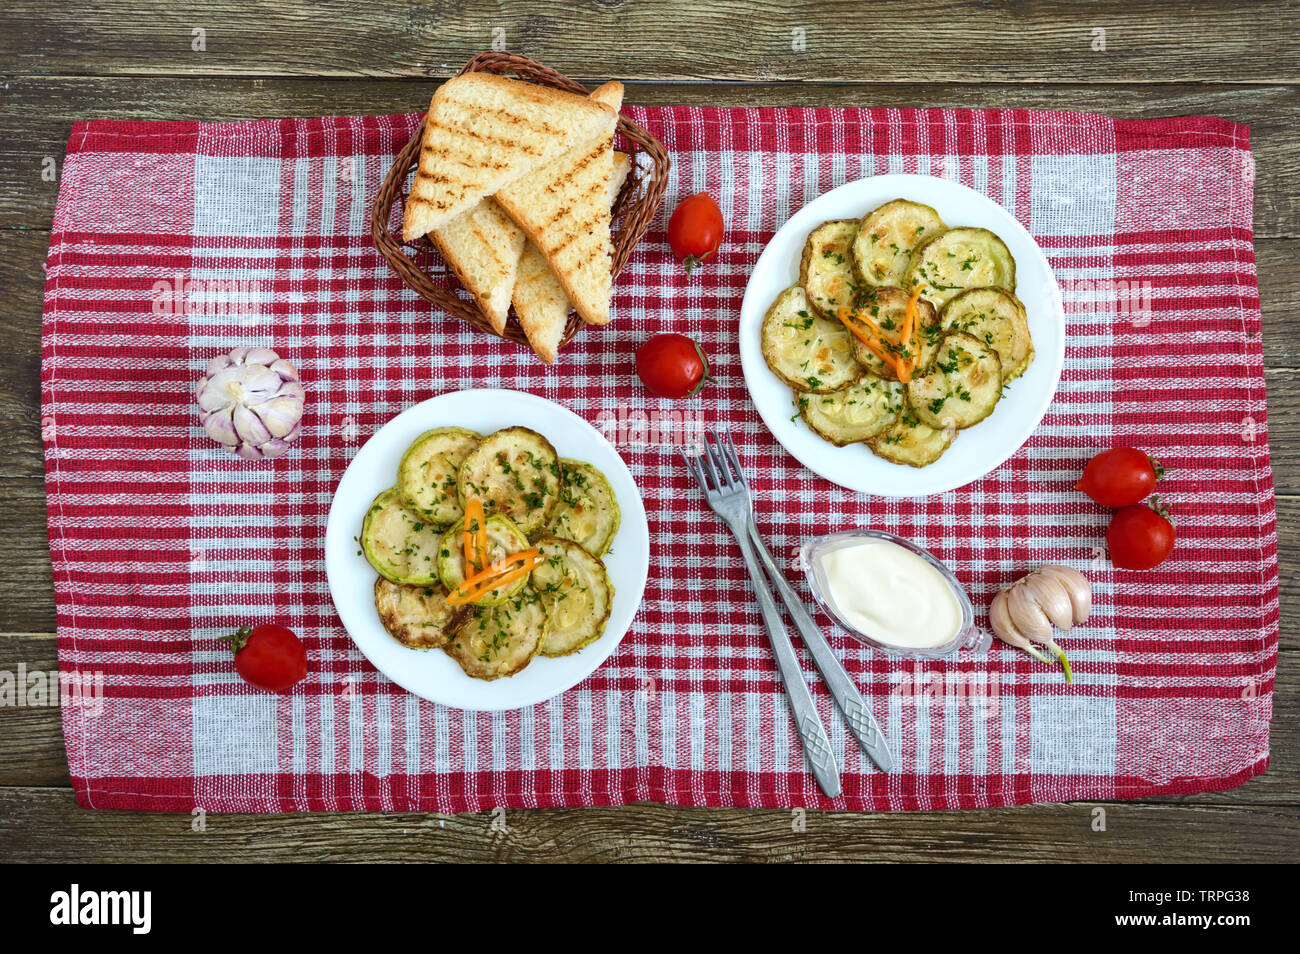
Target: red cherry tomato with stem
(1140, 536)
(1120, 477)
(695, 230)
(672, 366)
(268, 656)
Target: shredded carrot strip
(871, 336)
(501, 573)
(911, 325)
(475, 537)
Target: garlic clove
(1025, 614)
(221, 427)
(260, 356)
(1051, 598)
(1005, 630)
(1076, 587)
(1000, 619)
(281, 415)
(284, 369)
(249, 426)
(259, 384)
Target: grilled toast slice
(540, 302)
(484, 131)
(563, 208)
(483, 247)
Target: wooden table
(65, 60)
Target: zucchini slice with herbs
(959, 259)
(997, 318)
(587, 512)
(501, 640)
(912, 442)
(886, 237)
(963, 385)
(427, 475)
(504, 538)
(803, 349)
(418, 617)
(887, 307)
(576, 590)
(400, 545)
(516, 472)
(858, 413)
(826, 269)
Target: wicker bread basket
(634, 209)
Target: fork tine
(692, 467)
(710, 464)
(719, 455)
(703, 481)
(735, 461)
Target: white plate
(977, 450)
(432, 674)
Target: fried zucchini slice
(912, 442)
(418, 617)
(803, 349)
(886, 237)
(997, 318)
(516, 472)
(430, 468)
(504, 538)
(858, 413)
(400, 545)
(576, 590)
(959, 259)
(588, 511)
(826, 269)
(501, 640)
(887, 307)
(963, 385)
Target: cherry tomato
(695, 230)
(269, 656)
(672, 366)
(1120, 477)
(1140, 536)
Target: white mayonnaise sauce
(891, 594)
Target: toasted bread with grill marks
(540, 302)
(484, 131)
(563, 208)
(483, 247)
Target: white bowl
(432, 674)
(978, 450)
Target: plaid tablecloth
(161, 541)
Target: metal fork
(728, 496)
(862, 723)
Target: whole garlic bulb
(251, 401)
(1025, 612)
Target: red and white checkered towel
(161, 541)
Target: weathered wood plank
(40, 112)
(1041, 42)
(31, 738)
(46, 825)
(22, 277)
